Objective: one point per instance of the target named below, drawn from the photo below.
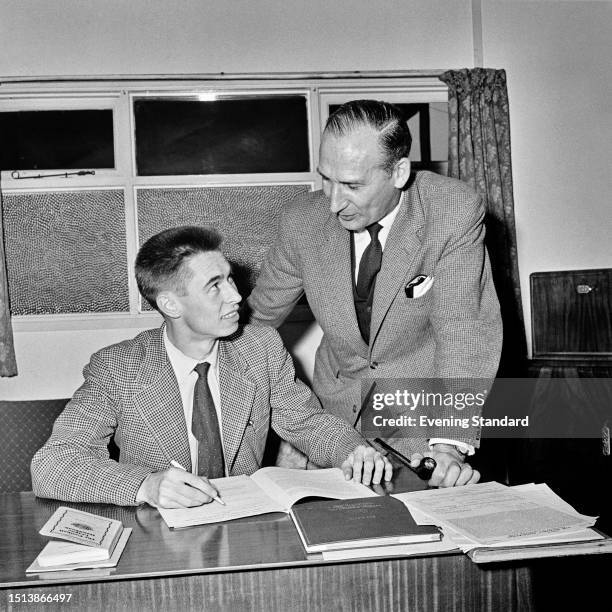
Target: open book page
(288, 486)
(242, 497)
(491, 512)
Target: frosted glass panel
(247, 217)
(66, 252)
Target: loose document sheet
(490, 513)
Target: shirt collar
(387, 221)
(183, 364)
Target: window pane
(247, 217)
(49, 140)
(428, 123)
(223, 136)
(66, 251)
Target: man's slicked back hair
(159, 263)
(387, 119)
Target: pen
(424, 470)
(177, 465)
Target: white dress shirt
(186, 376)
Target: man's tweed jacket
(130, 391)
(453, 331)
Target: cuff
(462, 447)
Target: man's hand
(175, 488)
(367, 465)
(451, 469)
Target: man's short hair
(387, 119)
(159, 263)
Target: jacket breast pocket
(416, 304)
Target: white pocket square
(419, 286)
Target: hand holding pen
(214, 494)
(175, 487)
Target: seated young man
(200, 391)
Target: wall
(557, 56)
(72, 37)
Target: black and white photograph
(305, 305)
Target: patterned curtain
(8, 365)
(479, 154)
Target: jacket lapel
(158, 399)
(335, 250)
(399, 257)
(237, 396)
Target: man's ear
(401, 173)
(168, 305)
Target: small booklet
(270, 489)
(38, 568)
(358, 523)
(82, 528)
(79, 537)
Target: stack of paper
(492, 522)
(81, 540)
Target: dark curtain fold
(479, 154)
(8, 364)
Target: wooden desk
(259, 564)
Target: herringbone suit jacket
(453, 331)
(130, 391)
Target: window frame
(50, 102)
(119, 94)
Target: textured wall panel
(66, 252)
(247, 216)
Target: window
(227, 135)
(228, 153)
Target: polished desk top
(258, 542)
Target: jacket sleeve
(279, 284)
(466, 321)
(297, 415)
(74, 464)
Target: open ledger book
(270, 489)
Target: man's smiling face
(208, 300)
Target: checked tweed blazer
(130, 391)
(453, 331)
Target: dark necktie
(371, 261)
(205, 427)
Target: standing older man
(200, 391)
(394, 268)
